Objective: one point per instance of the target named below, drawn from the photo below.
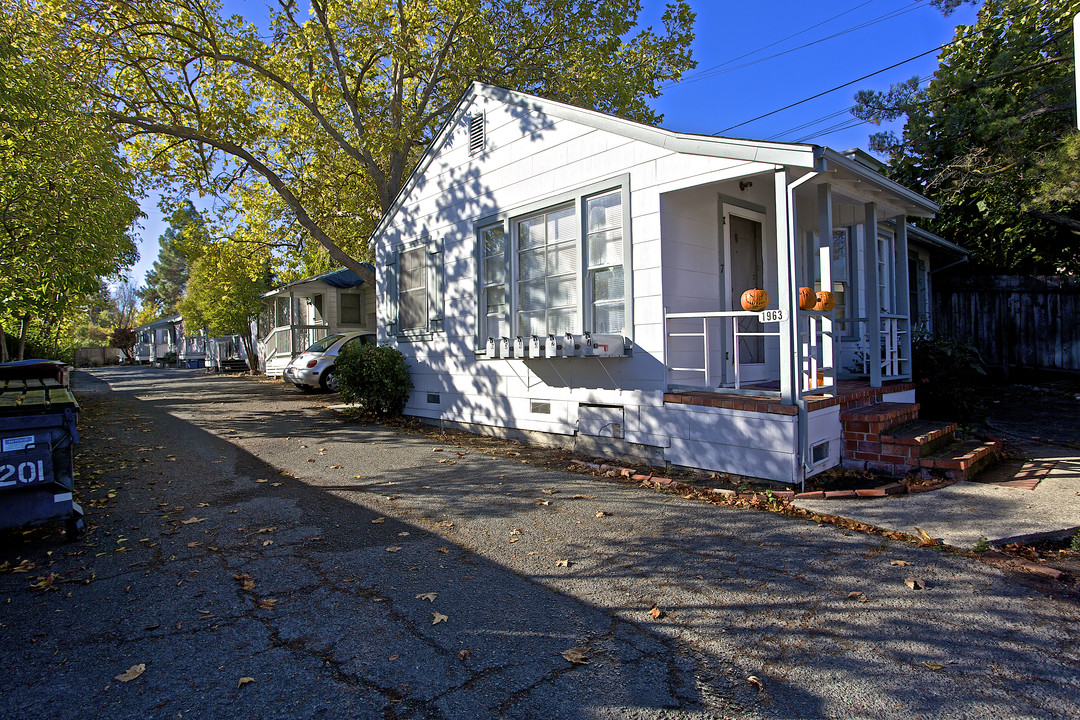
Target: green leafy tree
(989, 137)
(312, 130)
(223, 292)
(66, 197)
(166, 279)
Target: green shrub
(375, 377)
(946, 373)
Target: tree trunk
(3, 345)
(24, 323)
(249, 348)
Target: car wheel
(329, 380)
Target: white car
(314, 368)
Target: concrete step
(961, 459)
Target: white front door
(745, 263)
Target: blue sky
(757, 57)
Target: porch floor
(849, 394)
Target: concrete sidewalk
(963, 513)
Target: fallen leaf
(261, 480)
(902, 563)
(514, 539)
(549, 492)
(438, 618)
(267, 603)
(272, 528)
(335, 467)
(562, 563)
(932, 666)
(861, 597)
(601, 513)
(464, 654)
(656, 613)
(915, 583)
(444, 524)
(192, 520)
(267, 542)
(131, 673)
(393, 548)
(430, 597)
(576, 655)
(244, 681)
(584, 497)
(444, 550)
(402, 534)
(924, 537)
(756, 682)
(376, 521)
(392, 658)
(543, 502)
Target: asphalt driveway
(251, 554)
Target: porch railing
(892, 360)
(292, 339)
(729, 327)
(817, 372)
(815, 360)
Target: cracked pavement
(263, 557)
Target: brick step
(917, 438)
(876, 419)
(962, 459)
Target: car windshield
(324, 344)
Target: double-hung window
(415, 289)
(547, 272)
(555, 270)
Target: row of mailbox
(557, 346)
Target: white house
(554, 272)
(300, 313)
(156, 340)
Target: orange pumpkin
(755, 300)
(826, 301)
(807, 299)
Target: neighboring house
(303, 312)
(555, 271)
(154, 341)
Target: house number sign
(769, 316)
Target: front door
(743, 230)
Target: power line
(826, 92)
(701, 74)
(721, 68)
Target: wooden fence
(1015, 321)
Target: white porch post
(870, 292)
(825, 230)
(786, 292)
(903, 293)
(292, 325)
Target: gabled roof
(799, 155)
(341, 278)
(161, 322)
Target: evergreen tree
(166, 280)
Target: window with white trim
(555, 270)
(604, 242)
(415, 289)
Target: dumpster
(38, 431)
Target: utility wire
(721, 69)
(826, 92)
(701, 74)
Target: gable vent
(476, 134)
